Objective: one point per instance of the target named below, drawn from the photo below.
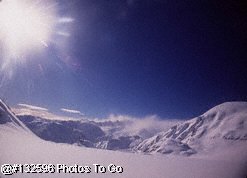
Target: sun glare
(25, 26)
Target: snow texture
(223, 126)
(20, 146)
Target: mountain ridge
(227, 121)
(222, 125)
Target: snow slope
(221, 127)
(7, 117)
(19, 146)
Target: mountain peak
(228, 108)
(219, 126)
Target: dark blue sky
(172, 58)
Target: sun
(25, 26)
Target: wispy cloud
(71, 111)
(36, 111)
(33, 107)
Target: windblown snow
(215, 140)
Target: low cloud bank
(145, 127)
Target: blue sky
(175, 59)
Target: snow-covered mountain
(113, 133)
(222, 126)
(81, 132)
(20, 146)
